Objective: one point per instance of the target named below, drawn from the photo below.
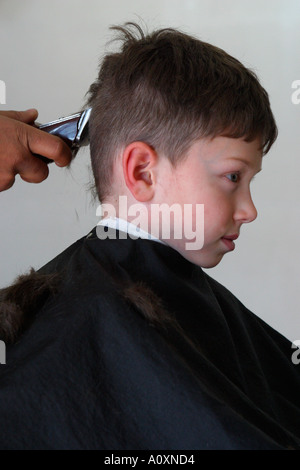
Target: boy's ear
(139, 159)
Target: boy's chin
(205, 261)
(211, 264)
(206, 258)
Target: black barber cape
(94, 372)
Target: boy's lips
(228, 241)
(231, 237)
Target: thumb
(28, 116)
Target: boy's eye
(234, 177)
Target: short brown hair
(169, 89)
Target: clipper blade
(71, 129)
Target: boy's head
(161, 104)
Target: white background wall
(49, 54)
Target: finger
(32, 170)
(28, 116)
(49, 146)
(6, 181)
(41, 143)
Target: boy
(132, 345)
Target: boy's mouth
(229, 241)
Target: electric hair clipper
(72, 129)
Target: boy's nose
(245, 210)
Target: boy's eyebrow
(243, 160)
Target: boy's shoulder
(235, 310)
